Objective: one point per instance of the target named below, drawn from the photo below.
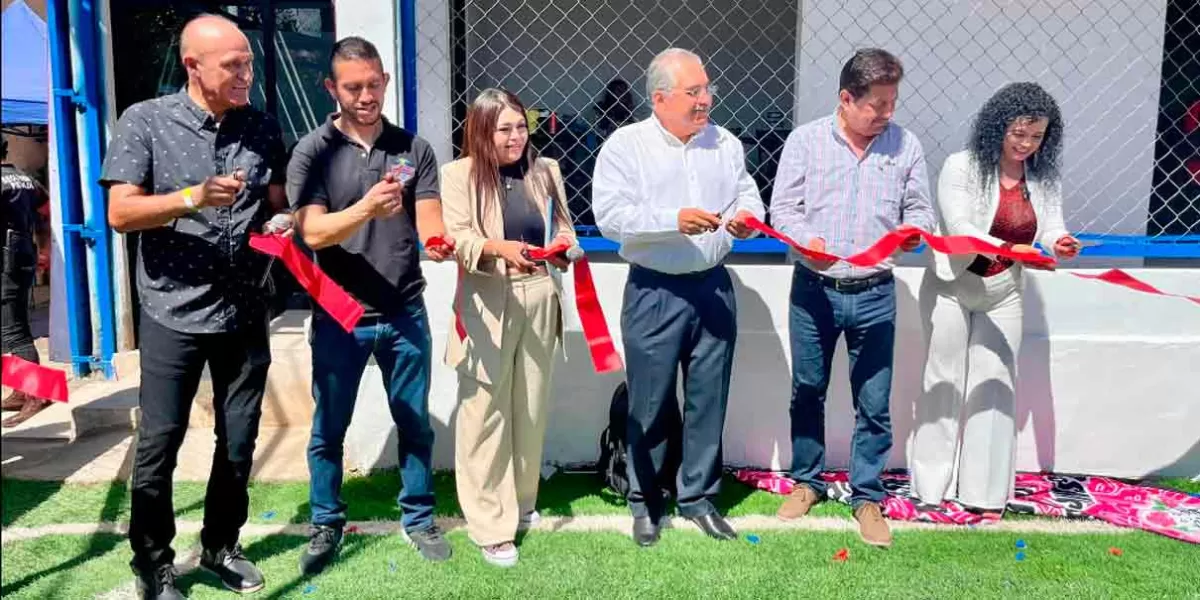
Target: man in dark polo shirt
(196, 173)
(364, 192)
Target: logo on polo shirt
(402, 170)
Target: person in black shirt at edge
(364, 192)
(196, 173)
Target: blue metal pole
(63, 101)
(87, 20)
(408, 61)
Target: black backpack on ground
(614, 460)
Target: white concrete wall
(376, 22)
(1104, 385)
(1101, 59)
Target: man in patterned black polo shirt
(196, 173)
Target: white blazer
(964, 208)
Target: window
(146, 54)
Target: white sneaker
(500, 555)
(529, 520)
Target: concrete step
(101, 405)
(102, 456)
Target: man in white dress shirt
(673, 191)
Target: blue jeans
(819, 315)
(400, 344)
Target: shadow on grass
(733, 494)
(98, 544)
(561, 494)
(261, 551)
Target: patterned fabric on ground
(1166, 512)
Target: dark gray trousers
(670, 323)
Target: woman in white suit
(1005, 189)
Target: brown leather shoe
(32, 407)
(871, 525)
(14, 401)
(798, 502)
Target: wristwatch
(188, 201)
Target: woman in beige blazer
(1005, 189)
(499, 201)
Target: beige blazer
(965, 209)
(483, 283)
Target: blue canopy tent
(26, 87)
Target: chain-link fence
(1126, 73)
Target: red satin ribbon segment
(595, 329)
(1123, 279)
(34, 379)
(763, 228)
(558, 247)
(949, 244)
(329, 295)
(890, 242)
(956, 244)
(459, 327)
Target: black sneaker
(158, 584)
(430, 543)
(236, 573)
(323, 542)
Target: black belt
(688, 275)
(850, 286)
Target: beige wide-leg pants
(501, 427)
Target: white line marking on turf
(617, 523)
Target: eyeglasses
(695, 92)
(508, 131)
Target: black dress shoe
(715, 526)
(158, 584)
(237, 573)
(645, 531)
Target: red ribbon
(459, 327)
(559, 246)
(1123, 279)
(329, 295)
(955, 244)
(890, 242)
(595, 328)
(763, 228)
(34, 379)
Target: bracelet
(188, 201)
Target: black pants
(672, 322)
(15, 284)
(172, 364)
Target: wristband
(188, 201)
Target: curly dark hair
(1015, 101)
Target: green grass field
(922, 564)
